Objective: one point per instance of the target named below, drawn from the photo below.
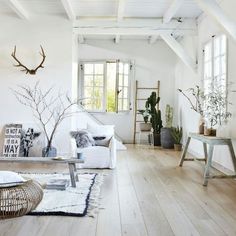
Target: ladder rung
(146, 88)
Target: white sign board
(11, 147)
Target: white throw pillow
(101, 130)
(9, 178)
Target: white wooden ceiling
(137, 18)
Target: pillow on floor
(82, 138)
(9, 178)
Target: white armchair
(97, 156)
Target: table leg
(208, 165)
(231, 149)
(75, 171)
(72, 174)
(184, 152)
(205, 151)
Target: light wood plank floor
(148, 194)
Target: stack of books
(57, 184)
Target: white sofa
(98, 156)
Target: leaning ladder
(136, 104)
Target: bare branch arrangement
(26, 69)
(49, 110)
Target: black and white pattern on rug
(79, 201)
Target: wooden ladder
(136, 103)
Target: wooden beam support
(172, 10)
(68, 9)
(18, 9)
(120, 10)
(130, 31)
(212, 8)
(117, 39)
(180, 52)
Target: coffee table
(71, 162)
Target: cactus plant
(156, 121)
(177, 134)
(169, 116)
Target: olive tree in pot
(167, 140)
(146, 125)
(177, 134)
(155, 119)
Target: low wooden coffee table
(71, 162)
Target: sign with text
(11, 147)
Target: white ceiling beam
(130, 31)
(81, 39)
(120, 10)
(68, 9)
(180, 51)
(153, 39)
(212, 8)
(18, 9)
(138, 22)
(117, 39)
(172, 10)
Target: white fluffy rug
(79, 201)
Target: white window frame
(104, 102)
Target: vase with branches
(50, 110)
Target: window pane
(99, 68)
(217, 66)
(111, 87)
(88, 92)
(98, 80)
(223, 44)
(88, 80)
(126, 80)
(125, 92)
(223, 64)
(121, 92)
(126, 68)
(121, 80)
(207, 70)
(217, 46)
(97, 95)
(121, 68)
(207, 53)
(207, 86)
(88, 69)
(120, 104)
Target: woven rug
(79, 201)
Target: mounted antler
(32, 71)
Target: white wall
(55, 35)
(152, 63)
(185, 79)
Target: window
(106, 86)
(215, 73)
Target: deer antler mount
(26, 69)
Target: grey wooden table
(211, 141)
(71, 162)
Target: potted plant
(167, 140)
(177, 134)
(146, 125)
(155, 119)
(215, 110)
(195, 97)
(49, 109)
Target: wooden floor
(148, 194)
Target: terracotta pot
(178, 147)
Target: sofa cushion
(102, 140)
(9, 178)
(83, 138)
